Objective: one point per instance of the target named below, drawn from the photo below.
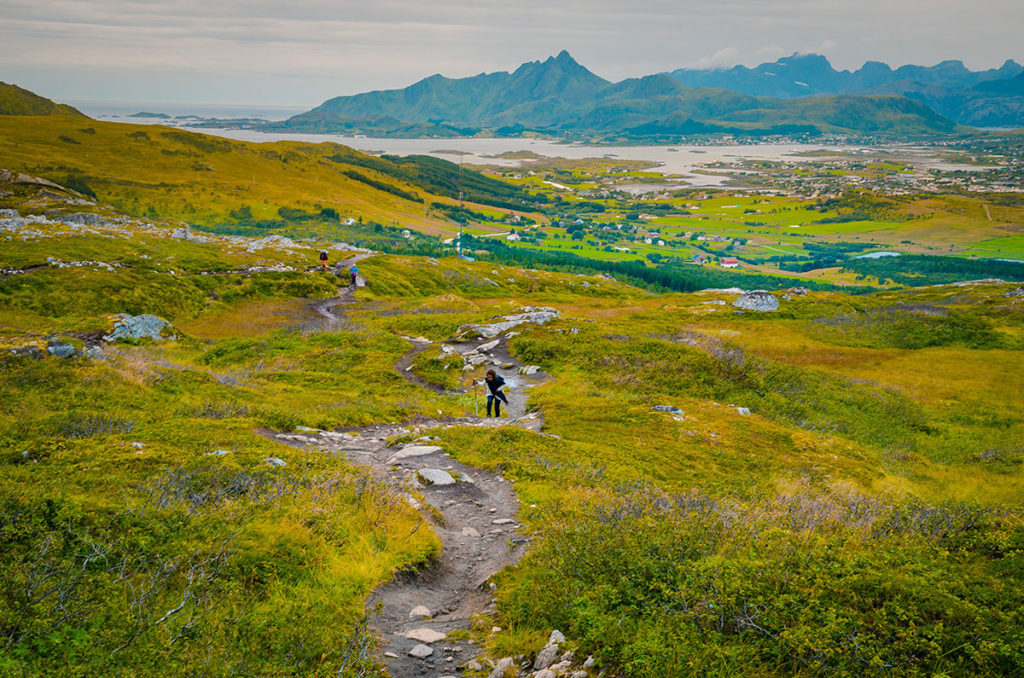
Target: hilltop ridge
(16, 100)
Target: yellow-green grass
(143, 169)
(121, 455)
(833, 427)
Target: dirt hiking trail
(474, 512)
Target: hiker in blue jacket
(494, 383)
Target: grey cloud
(314, 49)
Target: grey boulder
(61, 349)
(757, 300)
(145, 326)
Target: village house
(730, 262)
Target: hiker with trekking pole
(494, 383)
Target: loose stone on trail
(426, 635)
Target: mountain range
(796, 95)
(988, 98)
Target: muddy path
(473, 512)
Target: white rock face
(421, 651)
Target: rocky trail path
(474, 512)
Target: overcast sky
(301, 52)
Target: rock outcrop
(757, 300)
(134, 327)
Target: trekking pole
(476, 401)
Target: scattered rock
(9, 214)
(529, 370)
(435, 476)
(27, 352)
(757, 300)
(95, 353)
(145, 326)
(220, 453)
(799, 291)
(589, 664)
(469, 532)
(61, 349)
(743, 411)
(137, 446)
(488, 346)
(466, 478)
(528, 314)
(419, 611)
(1019, 292)
(274, 461)
(502, 668)
(502, 521)
(421, 651)
(474, 665)
(426, 635)
(556, 638)
(545, 673)
(671, 409)
(546, 657)
(414, 451)
(81, 218)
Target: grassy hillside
(838, 491)
(15, 100)
(872, 493)
(213, 182)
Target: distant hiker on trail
(323, 260)
(494, 383)
(354, 272)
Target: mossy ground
(862, 519)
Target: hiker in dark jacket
(494, 383)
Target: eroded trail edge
(473, 512)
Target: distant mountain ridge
(560, 96)
(541, 91)
(808, 74)
(976, 98)
(15, 100)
